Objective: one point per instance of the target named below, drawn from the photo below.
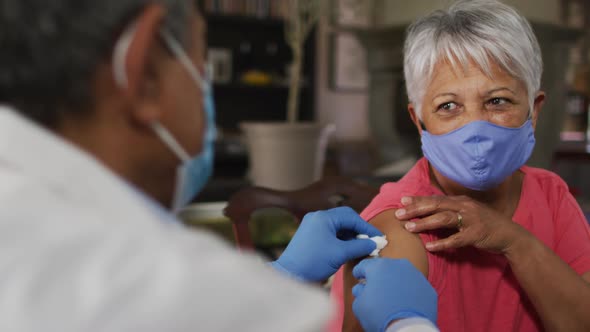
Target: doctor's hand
(316, 252)
(389, 290)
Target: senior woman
(506, 246)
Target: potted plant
(290, 155)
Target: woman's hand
(478, 225)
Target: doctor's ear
(137, 56)
(414, 117)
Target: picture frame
(348, 72)
(221, 60)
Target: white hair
(478, 30)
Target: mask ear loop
(422, 125)
(120, 56)
(172, 143)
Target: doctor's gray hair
(51, 49)
(478, 30)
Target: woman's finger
(445, 219)
(458, 240)
(415, 207)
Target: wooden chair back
(325, 194)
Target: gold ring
(459, 220)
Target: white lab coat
(80, 250)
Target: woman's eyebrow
(444, 94)
(490, 92)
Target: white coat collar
(70, 172)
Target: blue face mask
(198, 170)
(194, 172)
(479, 155)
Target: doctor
(101, 125)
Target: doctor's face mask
(194, 171)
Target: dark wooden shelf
(240, 20)
(575, 151)
(249, 87)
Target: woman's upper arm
(573, 234)
(402, 244)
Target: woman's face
(456, 97)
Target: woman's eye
(447, 107)
(498, 101)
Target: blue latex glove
(391, 289)
(316, 252)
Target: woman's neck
(503, 198)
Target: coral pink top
(477, 290)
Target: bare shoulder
(402, 244)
